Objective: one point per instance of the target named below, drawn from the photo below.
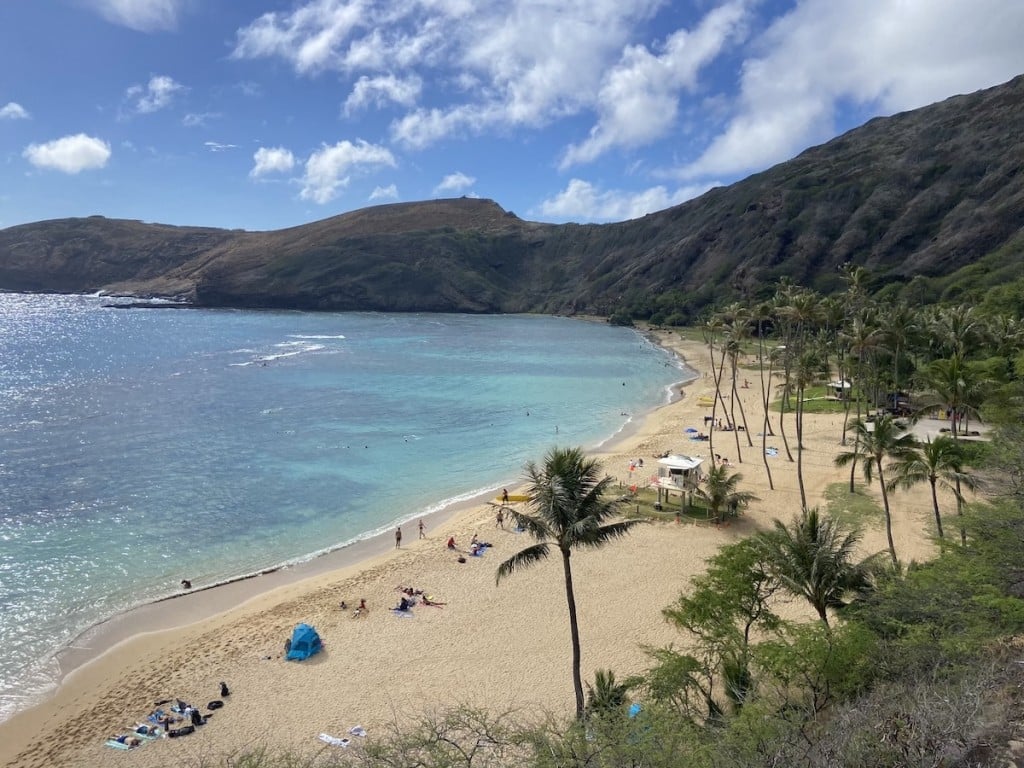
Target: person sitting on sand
(474, 541)
(224, 690)
(361, 610)
(403, 605)
(451, 542)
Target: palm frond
(522, 559)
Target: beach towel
(334, 741)
(771, 451)
(115, 744)
(357, 730)
(406, 614)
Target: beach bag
(215, 704)
(185, 730)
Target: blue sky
(263, 114)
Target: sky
(264, 114)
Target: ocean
(142, 446)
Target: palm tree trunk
(888, 516)
(766, 426)
(574, 629)
(800, 447)
(960, 513)
(935, 505)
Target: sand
(500, 646)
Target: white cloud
(390, 192)
(330, 167)
(639, 97)
(381, 90)
(271, 160)
(70, 154)
(216, 146)
(520, 63)
(582, 201)
(454, 182)
(156, 95)
(825, 54)
(141, 15)
(13, 111)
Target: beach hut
(305, 643)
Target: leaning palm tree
(720, 493)
(567, 509)
(874, 443)
(813, 558)
(938, 463)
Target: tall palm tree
(567, 510)
(956, 384)
(938, 462)
(876, 442)
(720, 492)
(900, 326)
(763, 314)
(814, 559)
(805, 372)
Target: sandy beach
(498, 646)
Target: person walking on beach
(499, 519)
(398, 537)
(504, 495)
(422, 534)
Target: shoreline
(380, 671)
(180, 610)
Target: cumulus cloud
(156, 95)
(141, 15)
(379, 91)
(390, 192)
(271, 160)
(454, 182)
(582, 201)
(519, 63)
(70, 154)
(825, 54)
(330, 167)
(638, 100)
(13, 111)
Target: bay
(142, 446)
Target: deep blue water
(140, 445)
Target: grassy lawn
(642, 504)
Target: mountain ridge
(921, 193)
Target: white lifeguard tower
(677, 473)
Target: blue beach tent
(305, 643)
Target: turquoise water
(141, 446)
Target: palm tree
(813, 559)
(874, 443)
(763, 313)
(939, 463)
(720, 493)
(568, 510)
(957, 385)
(607, 695)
